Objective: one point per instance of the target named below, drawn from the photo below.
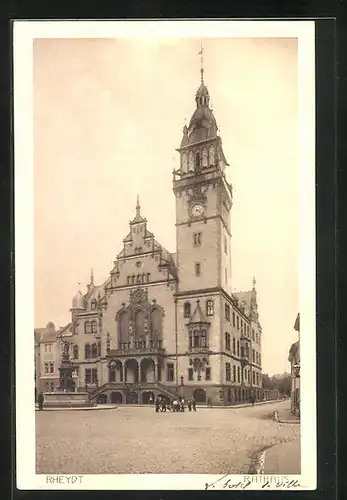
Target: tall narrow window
(233, 319)
(197, 269)
(187, 309)
(94, 330)
(253, 336)
(94, 351)
(227, 372)
(209, 308)
(238, 348)
(190, 374)
(75, 351)
(128, 280)
(238, 374)
(87, 328)
(237, 323)
(234, 373)
(227, 311)
(170, 372)
(253, 377)
(207, 373)
(46, 368)
(234, 346)
(87, 351)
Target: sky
(108, 116)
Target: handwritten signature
(224, 483)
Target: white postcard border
(24, 33)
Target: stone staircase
(138, 387)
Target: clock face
(197, 210)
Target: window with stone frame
(238, 374)
(197, 239)
(234, 319)
(93, 304)
(208, 373)
(94, 351)
(237, 322)
(187, 309)
(253, 377)
(227, 341)
(234, 345)
(227, 311)
(46, 366)
(87, 351)
(87, 327)
(170, 372)
(234, 373)
(227, 372)
(51, 367)
(238, 348)
(209, 307)
(197, 337)
(190, 374)
(253, 355)
(197, 269)
(94, 326)
(75, 351)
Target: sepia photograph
(163, 183)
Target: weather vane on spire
(201, 54)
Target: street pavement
(130, 440)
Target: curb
(87, 408)
(277, 419)
(258, 462)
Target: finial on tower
(138, 208)
(254, 282)
(201, 54)
(92, 277)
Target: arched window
(204, 157)
(124, 327)
(187, 309)
(139, 324)
(156, 323)
(75, 351)
(87, 351)
(87, 327)
(209, 308)
(94, 351)
(112, 372)
(138, 279)
(94, 330)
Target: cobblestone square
(136, 440)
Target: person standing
(189, 403)
(157, 404)
(194, 404)
(41, 399)
(182, 404)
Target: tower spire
(92, 277)
(201, 54)
(138, 208)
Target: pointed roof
(297, 323)
(198, 315)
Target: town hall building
(168, 323)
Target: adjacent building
(294, 359)
(167, 322)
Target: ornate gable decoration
(138, 295)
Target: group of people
(163, 405)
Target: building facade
(294, 359)
(168, 323)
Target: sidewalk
(283, 459)
(285, 416)
(78, 408)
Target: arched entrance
(147, 370)
(116, 397)
(132, 398)
(146, 397)
(102, 399)
(200, 395)
(131, 369)
(115, 373)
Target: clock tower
(203, 204)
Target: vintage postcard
(165, 255)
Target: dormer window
(93, 304)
